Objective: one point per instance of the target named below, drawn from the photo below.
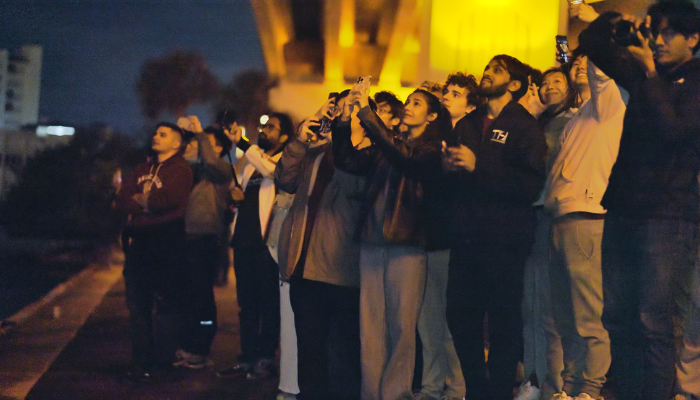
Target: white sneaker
(527, 392)
(562, 396)
(681, 396)
(285, 396)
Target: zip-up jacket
(495, 200)
(655, 175)
(392, 211)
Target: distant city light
(43, 131)
(264, 119)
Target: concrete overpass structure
(318, 46)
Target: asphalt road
(73, 344)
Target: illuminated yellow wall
(466, 34)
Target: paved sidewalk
(74, 344)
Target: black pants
(487, 279)
(323, 311)
(257, 286)
(646, 263)
(200, 314)
(153, 277)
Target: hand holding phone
(306, 133)
(362, 85)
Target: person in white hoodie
(575, 186)
(257, 276)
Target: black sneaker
(239, 371)
(264, 368)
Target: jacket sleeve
(218, 170)
(262, 164)
(519, 177)
(288, 172)
(615, 61)
(678, 119)
(420, 164)
(175, 189)
(346, 157)
(605, 94)
(130, 188)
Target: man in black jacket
(495, 227)
(650, 234)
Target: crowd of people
(544, 218)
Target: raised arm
(417, 165)
(605, 94)
(216, 168)
(348, 158)
(615, 61)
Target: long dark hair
(432, 130)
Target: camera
(625, 34)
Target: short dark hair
(560, 70)
(342, 95)
(682, 16)
(393, 102)
(220, 138)
(535, 75)
(468, 82)
(184, 137)
(286, 123)
(518, 72)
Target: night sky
(93, 49)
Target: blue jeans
(644, 261)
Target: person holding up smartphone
(318, 257)
(391, 230)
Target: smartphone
(325, 126)
(325, 123)
(562, 49)
(362, 85)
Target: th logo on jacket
(499, 136)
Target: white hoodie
(588, 149)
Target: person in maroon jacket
(155, 197)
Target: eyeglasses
(382, 111)
(269, 126)
(667, 34)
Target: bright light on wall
(347, 23)
(43, 131)
(466, 35)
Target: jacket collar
(684, 69)
(511, 108)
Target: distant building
(20, 82)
